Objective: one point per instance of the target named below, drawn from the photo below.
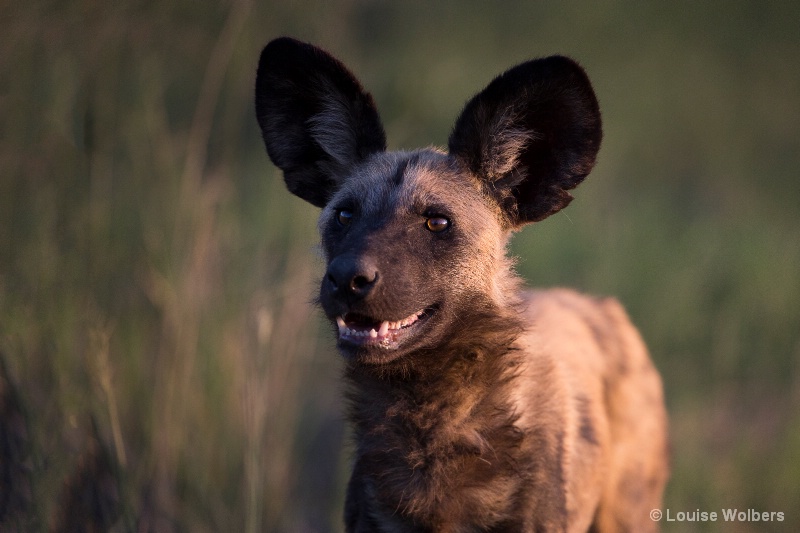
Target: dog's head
(415, 241)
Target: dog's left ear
(531, 135)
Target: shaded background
(160, 356)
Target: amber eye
(344, 216)
(437, 224)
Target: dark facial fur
(469, 413)
(419, 205)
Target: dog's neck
(442, 419)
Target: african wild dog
(476, 406)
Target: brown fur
(476, 406)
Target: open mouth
(360, 330)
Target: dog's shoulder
(574, 323)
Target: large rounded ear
(316, 119)
(531, 135)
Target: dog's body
(476, 406)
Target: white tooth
(384, 329)
(373, 333)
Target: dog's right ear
(316, 119)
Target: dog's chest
(440, 464)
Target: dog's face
(408, 238)
(414, 241)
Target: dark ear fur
(531, 135)
(316, 119)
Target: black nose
(352, 277)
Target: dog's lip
(361, 331)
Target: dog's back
(475, 406)
(608, 403)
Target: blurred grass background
(155, 276)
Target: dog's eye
(344, 216)
(437, 224)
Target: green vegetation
(156, 277)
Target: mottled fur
(482, 408)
